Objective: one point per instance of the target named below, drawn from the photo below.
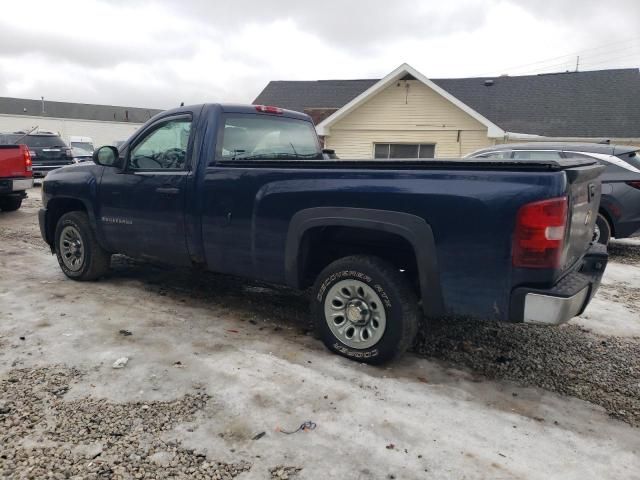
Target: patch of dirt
(622, 293)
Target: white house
(405, 114)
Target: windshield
(83, 145)
(81, 152)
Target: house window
(404, 150)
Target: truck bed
(415, 164)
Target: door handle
(168, 190)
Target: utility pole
(577, 62)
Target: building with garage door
(104, 124)
(406, 114)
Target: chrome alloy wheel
(355, 314)
(596, 234)
(72, 248)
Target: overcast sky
(160, 53)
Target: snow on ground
(416, 418)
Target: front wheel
(10, 204)
(365, 309)
(79, 255)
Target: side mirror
(107, 156)
(329, 154)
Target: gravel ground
(566, 360)
(624, 252)
(94, 438)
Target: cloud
(158, 54)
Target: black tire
(603, 230)
(398, 301)
(10, 204)
(95, 262)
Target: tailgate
(12, 162)
(583, 190)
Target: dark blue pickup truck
(246, 190)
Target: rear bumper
(40, 171)
(15, 185)
(566, 299)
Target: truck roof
(237, 108)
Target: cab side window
(163, 148)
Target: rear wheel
(10, 204)
(365, 309)
(79, 255)
(602, 231)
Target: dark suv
(48, 150)
(619, 214)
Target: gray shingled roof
(80, 111)
(603, 103)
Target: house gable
(398, 75)
(407, 105)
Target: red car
(15, 176)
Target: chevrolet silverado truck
(15, 176)
(381, 245)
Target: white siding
(399, 114)
(102, 133)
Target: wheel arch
(57, 207)
(609, 218)
(410, 228)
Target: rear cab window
(43, 141)
(33, 141)
(266, 137)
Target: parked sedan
(619, 214)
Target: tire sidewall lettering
(363, 277)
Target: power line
(569, 64)
(571, 55)
(630, 55)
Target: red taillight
(269, 109)
(27, 159)
(634, 184)
(539, 234)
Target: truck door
(143, 205)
